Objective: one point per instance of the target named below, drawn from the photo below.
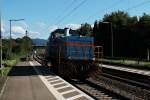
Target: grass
(7, 67)
(128, 63)
(8, 64)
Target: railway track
(96, 91)
(128, 75)
(129, 81)
(111, 86)
(122, 88)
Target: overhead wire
(117, 3)
(66, 9)
(138, 5)
(81, 3)
(105, 9)
(68, 14)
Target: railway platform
(131, 70)
(31, 81)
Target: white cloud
(18, 29)
(15, 36)
(73, 26)
(52, 28)
(2, 30)
(23, 24)
(2, 27)
(41, 24)
(34, 34)
(6, 35)
(92, 25)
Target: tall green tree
(131, 35)
(144, 29)
(85, 29)
(5, 48)
(118, 18)
(26, 45)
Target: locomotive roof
(58, 31)
(62, 31)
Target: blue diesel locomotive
(71, 55)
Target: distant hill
(39, 41)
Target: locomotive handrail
(98, 52)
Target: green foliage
(85, 29)
(5, 48)
(26, 45)
(131, 36)
(138, 64)
(144, 24)
(20, 46)
(7, 67)
(119, 18)
(145, 20)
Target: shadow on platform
(29, 71)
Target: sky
(41, 17)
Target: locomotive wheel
(77, 70)
(61, 70)
(95, 70)
(80, 71)
(73, 69)
(84, 71)
(64, 70)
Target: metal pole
(148, 54)
(10, 40)
(1, 65)
(10, 34)
(112, 40)
(1, 45)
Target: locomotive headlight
(69, 57)
(93, 59)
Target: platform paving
(24, 84)
(132, 70)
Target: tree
(144, 23)
(5, 48)
(26, 45)
(129, 34)
(144, 29)
(118, 18)
(85, 29)
(96, 33)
